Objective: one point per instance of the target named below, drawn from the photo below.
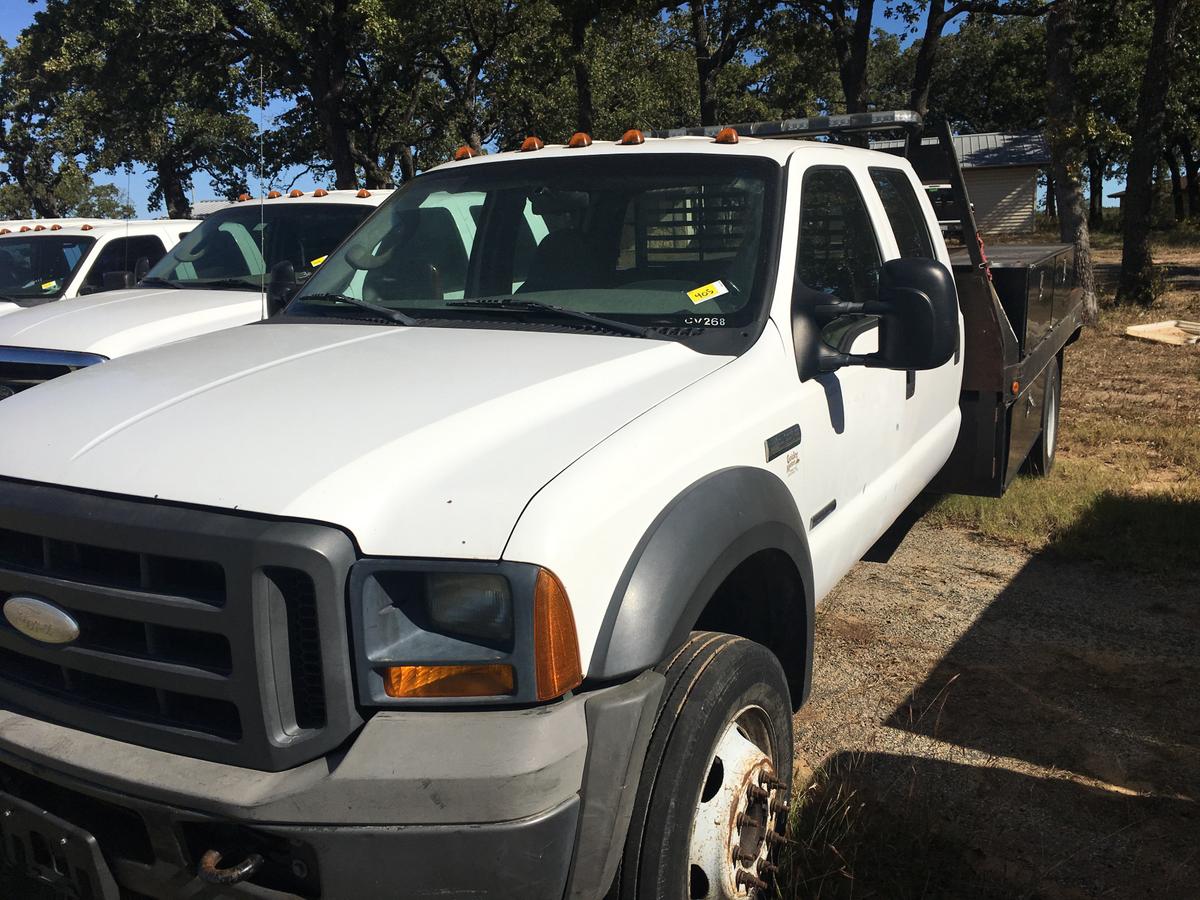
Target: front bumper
(530, 803)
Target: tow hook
(209, 873)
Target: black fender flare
(698, 539)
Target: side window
(838, 253)
(904, 212)
(122, 254)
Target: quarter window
(904, 212)
(838, 253)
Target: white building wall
(1005, 198)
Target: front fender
(693, 545)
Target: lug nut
(741, 856)
(780, 806)
(745, 878)
(744, 821)
(774, 837)
(767, 869)
(757, 793)
(770, 782)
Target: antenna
(262, 193)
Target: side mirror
(115, 281)
(281, 286)
(140, 268)
(917, 312)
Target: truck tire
(1041, 457)
(711, 806)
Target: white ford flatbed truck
(489, 566)
(237, 267)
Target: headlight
(477, 606)
(439, 632)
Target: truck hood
(119, 322)
(419, 441)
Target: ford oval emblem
(40, 620)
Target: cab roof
(93, 226)
(776, 149)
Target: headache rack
(1019, 308)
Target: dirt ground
(1005, 719)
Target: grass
(1125, 490)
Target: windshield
(658, 241)
(236, 248)
(40, 266)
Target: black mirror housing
(115, 281)
(917, 312)
(281, 286)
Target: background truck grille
(201, 633)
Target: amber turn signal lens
(580, 139)
(273, 195)
(81, 228)
(1016, 388)
(448, 681)
(464, 152)
(242, 198)
(556, 645)
(531, 143)
(363, 194)
(295, 192)
(726, 136)
(56, 227)
(632, 136)
(320, 192)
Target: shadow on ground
(1075, 695)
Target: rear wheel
(711, 807)
(1041, 457)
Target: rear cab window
(904, 212)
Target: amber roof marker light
(531, 143)
(273, 195)
(320, 192)
(726, 136)
(295, 192)
(632, 137)
(363, 194)
(242, 198)
(579, 139)
(465, 152)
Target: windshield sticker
(49, 285)
(316, 262)
(707, 292)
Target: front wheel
(711, 806)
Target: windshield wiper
(155, 281)
(503, 304)
(243, 283)
(393, 314)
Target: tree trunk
(1191, 168)
(1066, 147)
(706, 70)
(918, 98)
(1176, 184)
(852, 64)
(1096, 168)
(584, 111)
(408, 166)
(1051, 206)
(1137, 274)
(174, 190)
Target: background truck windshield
(236, 248)
(667, 240)
(40, 266)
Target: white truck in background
(57, 259)
(489, 567)
(237, 266)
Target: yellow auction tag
(49, 285)
(707, 292)
(316, 262)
